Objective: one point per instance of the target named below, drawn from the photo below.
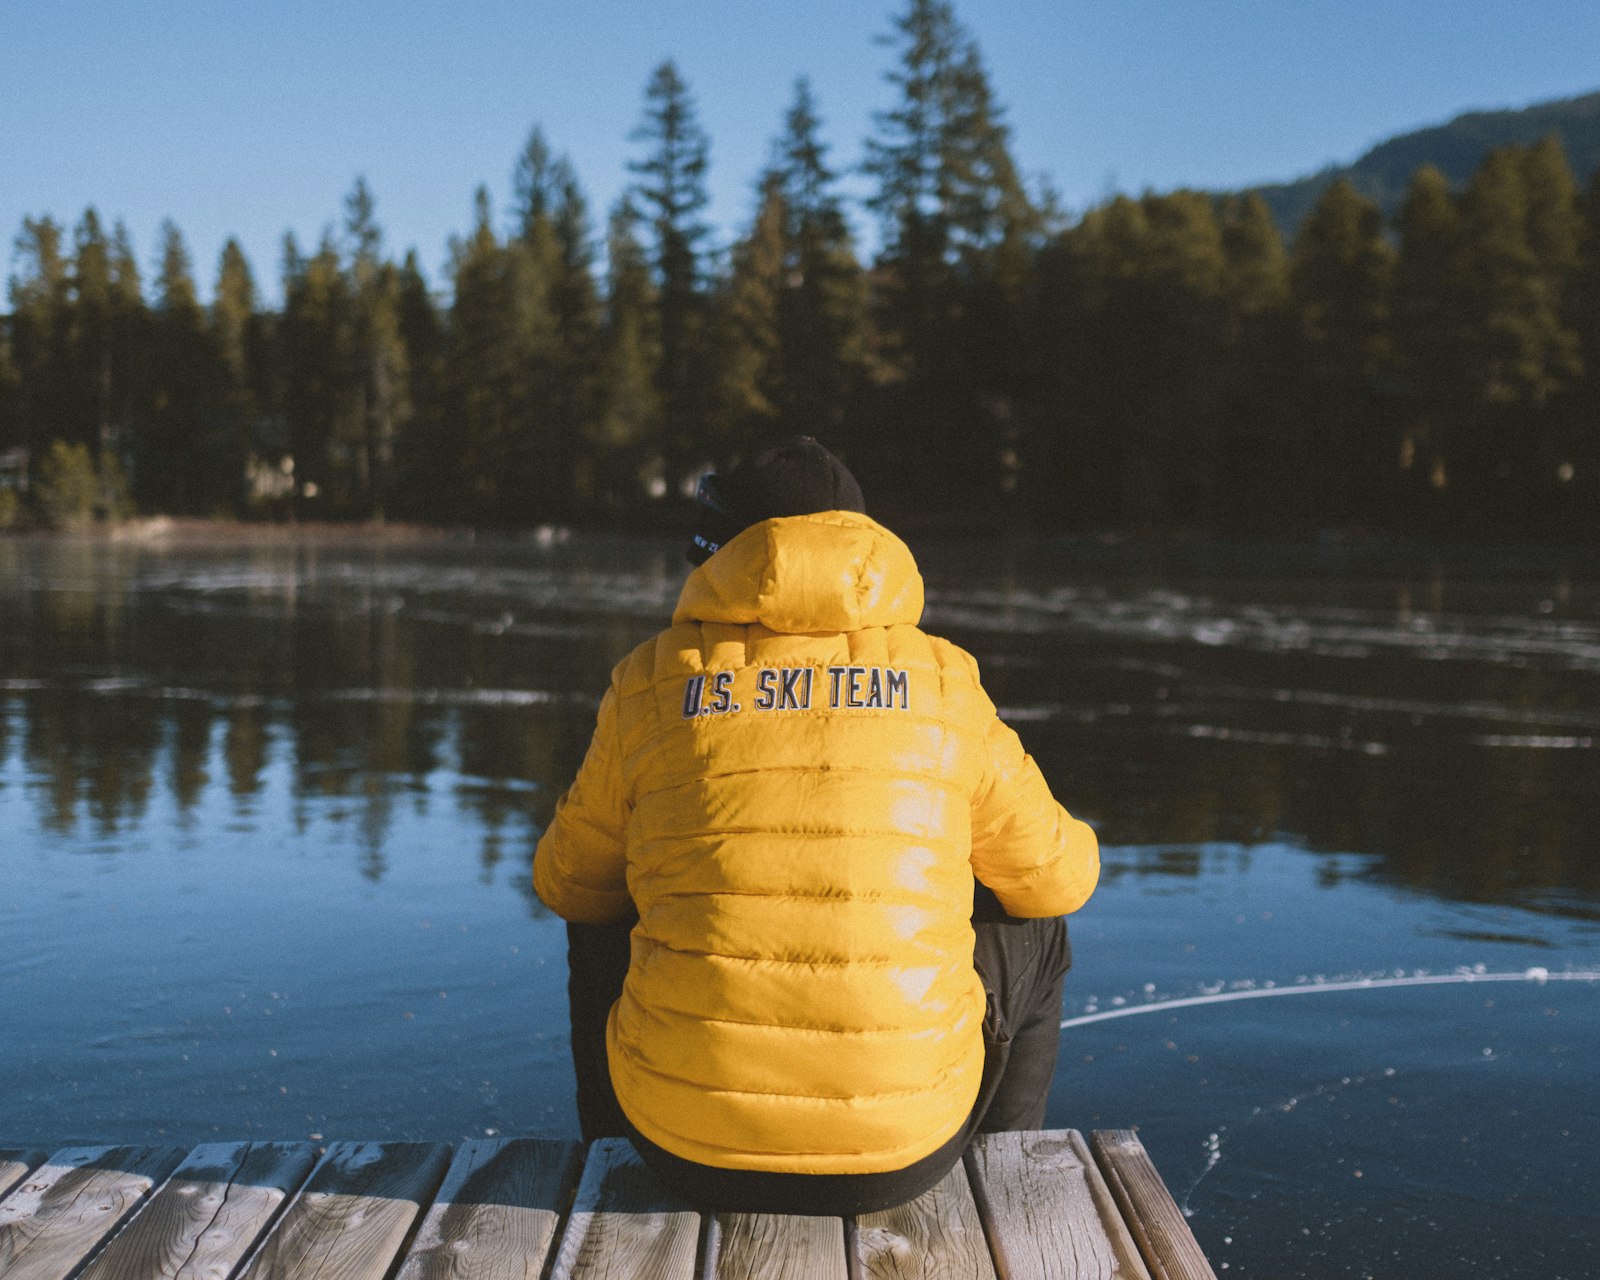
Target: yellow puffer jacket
(794, 787)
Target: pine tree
(553, 224)
(378, 375)
(11, 431)
(1253, 450)
(1432, 320)
(1341, 278)
(1148, 369)
(1064, 466)
(188, 461)
(1520, 344)
(1555, 226)
(905, 157)
(130, 340)
(480, 365)
(93, 339)
(536, 183)
(41, 337)
(1555, 234)
(822, 303)
(427, 467)
(498, 367)
(912, 282)
(1577, 413)
(235, 340)
(314, 339)
(576, 300)
(750, 365)
(630, 421)
(1184, 302)
(671, 191)
(1256, 271)
(1523, 346)
(958, 232)
(992, 218)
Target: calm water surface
(267, 813)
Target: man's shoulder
(951, 658)
(674, 649)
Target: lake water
(267, 811)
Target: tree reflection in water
(1442, 717)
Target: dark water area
(267, 812)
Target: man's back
(793, 785)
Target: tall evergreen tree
(671, 192)
(236, 339)
(1256, 268)
(40, 293)
(94, 338)
(957, 230)
(992, 218)
(314, 340)
(1555, 225)
(822, 301)
(630, 422)
(1152, 273)
(1341, 274)
(750, 365)
(428, 482)
(1555, 235)
(1577, 414)
(189, 462)
(11, 432)
(130, 322)
(1519, 343)
(552, 218)
(378, 375)
(1432, 319)
(497, 366)
(536, 182)
(1524, 345)
(1253, 449)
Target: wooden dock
(1023, 1206)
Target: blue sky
(256, 119)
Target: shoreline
(1326, 549)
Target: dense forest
(1161, 362)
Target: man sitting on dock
(814, 884)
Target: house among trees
(14, 469)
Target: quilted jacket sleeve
(580, 864)
(1038, 858)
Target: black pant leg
(1023, 964)
(597, 963)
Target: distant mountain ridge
(1455, 148)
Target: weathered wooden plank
(625, 1224)
(772, 1246)
(353, 1216)
(938, 1236)
(1169, 1247)
(15, 1165)
(208, 1215)
(59, 1214)
(1046, 1210)
(495, 1217)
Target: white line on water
(1313, 988)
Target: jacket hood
(831, 571)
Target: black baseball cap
(794, 477)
